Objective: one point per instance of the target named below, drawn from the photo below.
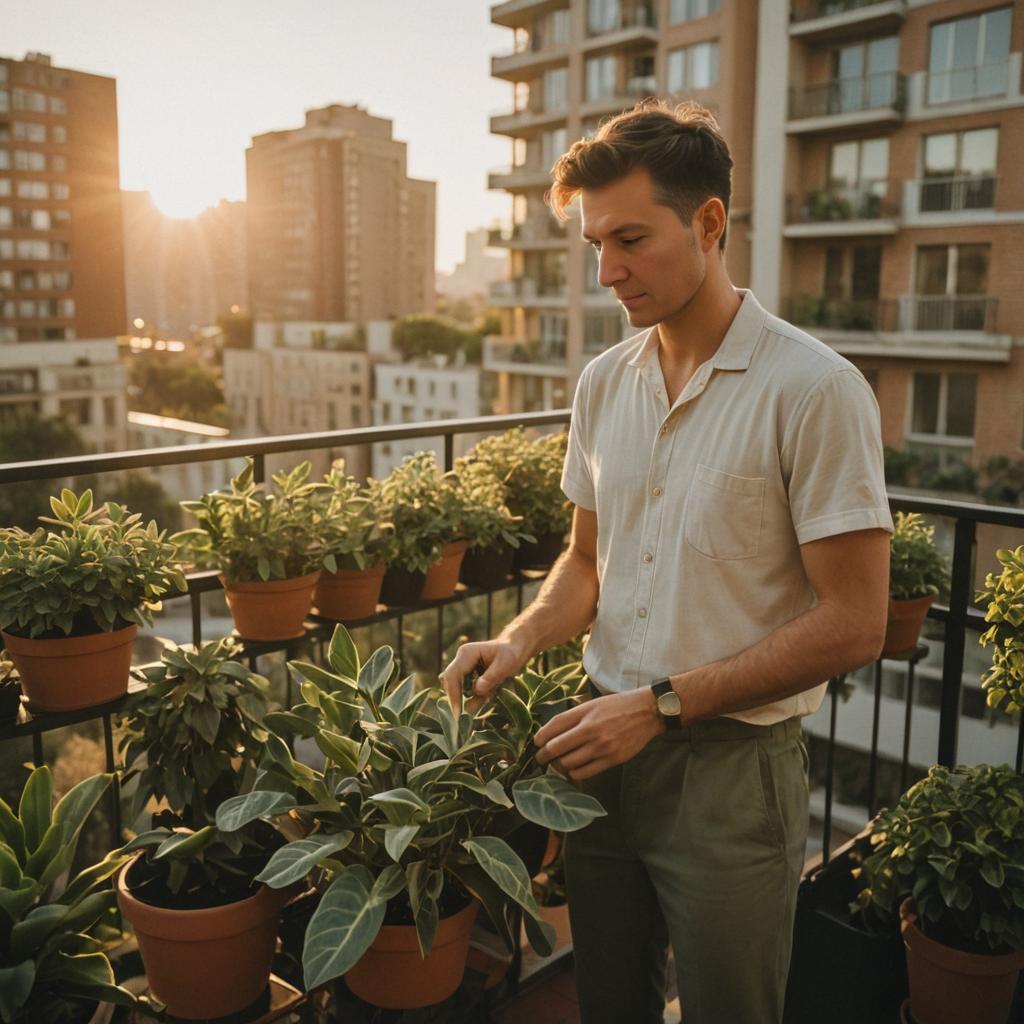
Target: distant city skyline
(196, 82)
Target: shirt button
(648, 557)
(656, 492)
(642, 613)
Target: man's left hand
(597, 735)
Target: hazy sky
(196, 79)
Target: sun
(181, 202)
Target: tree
(237, 330)
(171, 384)
(419, 336)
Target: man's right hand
(495, 660)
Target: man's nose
(610, 268)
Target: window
(24, 99)
(5, 159)
(951, 282)
(687, 10)
(59, 164)
(6, 278)
(109, 411)
(26, 280)
(600, 78)
(6, 248)
(75, 410)
(61, 251)
(3, 72)
(59, 134)
(5, 186)
(553, 144)
(959, 170)
(943, 405)
(556, 86)
(29, 131)
(6, 218)
(603, 16)
(860, 169)
(693, 67)
(968, 58)
(29, 160)
(58, 105)
(31, 249)
(853, 273)
(41, 220)
(61, 191)
(33, 190)
(67, 308)
(865, 74)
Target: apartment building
(875, 201)
(429, 389)
(61, 249)
(337, 229)
(572, 64)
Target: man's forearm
(804, 652)
(563, 609)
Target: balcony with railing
(841, 103)
(837, 19)
(975, 314)
(540, 234)
(528, 291)
(619, 24)
(962, 90)
(864, 209)
(528, 119)
(519, 177)
(534, 55)
(520, 13)
(624, 95)
(883, 724)
(541, 357)
(957, 200)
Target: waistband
(713, 729)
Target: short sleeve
(577, 480)
(832, 460)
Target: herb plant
(1004, 595)
(95, 570)
(917, 567)
(353, 535)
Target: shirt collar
(737, 346)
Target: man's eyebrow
(623, 229)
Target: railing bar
(519, 595)
(449, 451)
(908, 714)
(440, 638)
(197, 618)
(259, 468)
(873, 762)
(953, 648)
(826, 829)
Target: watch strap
(661, 687)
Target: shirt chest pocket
(724, 513)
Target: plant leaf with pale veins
(296, 860)
(553, 802)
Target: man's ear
(709, 223)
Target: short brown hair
(681, 147)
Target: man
(730, 550)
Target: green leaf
(319, 677)
(87, 975)
(30, 933)
(342, 653)
(34, 808)
(376, 673)
(478, 882)
(240, 810)
(540, 934)
(340, 749)
(518, 712)
(15, 987)
(400, 806)
(12, 832)
(397, 839)
(297, 859)
(422, 880)
(504, 867)
(342, 928)
(555, 803)
(186, 844)
(992, 872)
(206, 719)
(390, 882)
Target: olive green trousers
(702, 847)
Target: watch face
(669, 703)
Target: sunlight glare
(181, 200)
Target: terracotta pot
(73, 672)
(948, 986)
(903, 627)
(487, 567)
(542, 554)
(205, 963)
(348, 594)
(443, 575)
(392, 974)
(270, 610)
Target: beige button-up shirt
(702, 507)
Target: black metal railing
(955, 619)
(868, 200)
(884, 90)
(951, 195)
(807, 10)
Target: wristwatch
(667, 700)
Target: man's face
(646, 255)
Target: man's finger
(560, 723)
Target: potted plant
(73, 596)
(206, 928)
(918, 573)
(950, 856)
(53, 964)
(1004, 595)
(404, 824)
(193, 736)
(10, 692)
(358, 548)
(495, 532)
(267, 547)
(532, 474)
(428, 515)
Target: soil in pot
(393, 975)
(206, 955)
(66, 673)
(270, 610)
(903, 626)
(487, 567)
(348, 594)
(542, 554)
(949, 986)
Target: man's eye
(630, 241)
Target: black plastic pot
(401, 586)
(487, 567)
(542, 554)
(10, 702)
(831, 954)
